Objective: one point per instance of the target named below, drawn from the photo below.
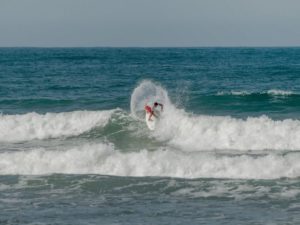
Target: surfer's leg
(152, 114)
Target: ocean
(75, 148)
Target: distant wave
(272, 92)
(279, 92)
(104, 159)
(221, 93)
(15, 128)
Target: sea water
(75, 149)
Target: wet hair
(155, 103)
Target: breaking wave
(104, 159)
(15, 128)
(183, 144)
(191, 132)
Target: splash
(147, 92)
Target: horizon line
(221, 46)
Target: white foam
(234, 93)
(279, 92)
(289, 193)
(198, 132)
(274, 92)
(14, 128)
(104, 159)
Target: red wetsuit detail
(148, 109)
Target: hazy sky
(149, 23)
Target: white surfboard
(152, 123)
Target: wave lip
(105, 160)
(30, 126)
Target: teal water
(74, 147)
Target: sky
(149, 23)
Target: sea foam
(199, 132)
(106, 160)
(15, 128)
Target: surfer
(150, 110)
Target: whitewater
(184, 145)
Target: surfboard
(151, 123)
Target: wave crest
(15, 128)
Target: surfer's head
(155, 104)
